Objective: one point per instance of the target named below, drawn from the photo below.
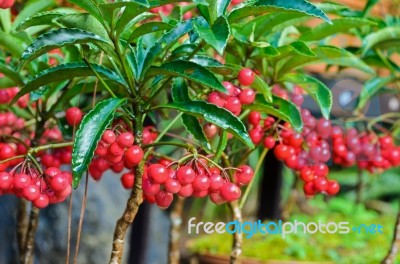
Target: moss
(349, 248)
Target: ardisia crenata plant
(89, 87)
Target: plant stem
(83, 208)
(30, 236)
(256, 170)
(391, 256)
(175, 144)
(22, 226)
(134, 201)
(175, 231)
(237, 236)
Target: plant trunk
(30, 236)
(175, 231)
(22, 227)
(391, 256)
(237, 236)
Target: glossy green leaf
(326, 54)
(90, 6)
(89, 134)
(385, 35)
(56, 39)
(315, 88)
(180, 93)
(216, 115)
(84, 22)
(149, 28)
(131, 10)
(191, 71)
(339, 25)
(11, 74)
(372, 87)
(206, 61)
(167, 40)
(264, 6)
(299, 5)
(216, 36)
(44, 18)
(302, 48)
(65, 72)
(279, 108)
(31, 9)
(11, 44)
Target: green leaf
(385, 35)
(180, 93)
(91, 7)
(338, 26)
(191, 71)
(89, 134)
(33, 8)
(11, 44)
(372, 87)
(280, 108)
(217, 36)
(299, 5)
(302, 48)
(315, 88)
(56, 39)
(44, 18)
(149, 28)
(216, 115)
(64, 72)
(167, 40)
(84, 21)
(132, 10)
(264, 6)
(326, 54)
(11, 74)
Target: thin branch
(78, 238)
(175, 231)
(30, 236)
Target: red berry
(307, 174)
(150, 188)
(269, 142)
(216, 182)
(157, 173)
(31, 192)
(134, 155)
(247, 96)
(256, 135)
(210, 130)
(109, 137)
(321, 184)
(172, 186)
(309, 189)
(128, 180)
(186, 190)
(333, 187)
(215, 98)
(6, 180)
(254, 118)
(164, 199)
(42, 201)
(245, 175)
(74, 116)
(246, 77)
(125, 140)
(281, 152)
(233, 105)
(201, 183)
(185, 175)
(21, 181)
(217, 198)
(230, 192)
(59, 182)
(115, 149)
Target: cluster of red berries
(161, 181)
(368, 150)
(167, 10)
(116, 151)
(51, 187)
(6, 95)
(234, 99)
(306, 152)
